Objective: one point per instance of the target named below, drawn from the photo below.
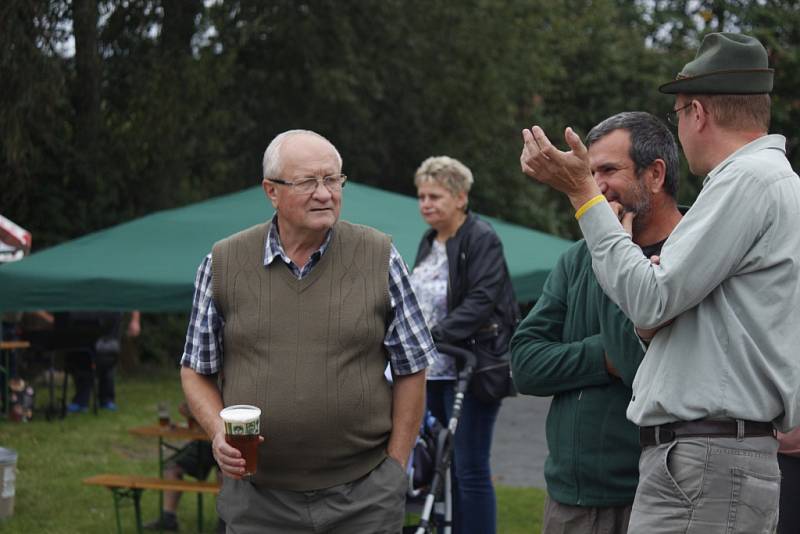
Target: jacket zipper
(577, 450)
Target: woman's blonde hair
(445, 171)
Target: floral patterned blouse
(429, 280)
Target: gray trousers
(567, 519)
(703, 485)
(374, 503)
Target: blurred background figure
(98, 356)
(464, 290)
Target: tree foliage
(111, 109)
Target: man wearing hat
(718, 307)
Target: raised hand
(567, 172)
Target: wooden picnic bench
(132, 486)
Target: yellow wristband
(588, 204)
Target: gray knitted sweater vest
(309, 353)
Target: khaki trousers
(705, 485)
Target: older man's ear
(270, 190)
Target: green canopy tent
(150, 263)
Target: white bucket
(8, 479)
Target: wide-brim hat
(726, 63)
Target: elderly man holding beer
(298, 318)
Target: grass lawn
(54, 456)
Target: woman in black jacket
(462, 283)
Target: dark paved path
(519, 447)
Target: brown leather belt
(655, 435)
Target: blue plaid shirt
(407, 339)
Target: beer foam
(240, 414)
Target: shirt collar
(775, 141)
(274, 249)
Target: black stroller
(430, 486)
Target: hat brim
(729, 82)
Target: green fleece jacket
(560, 350)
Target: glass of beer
(242, 429)
(163, 414)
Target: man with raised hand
(720, 304)
(577, 345)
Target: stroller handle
(464, 356)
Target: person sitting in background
(462, 283)
(194, 459)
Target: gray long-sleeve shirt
(730, 278)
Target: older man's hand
(568, 172)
